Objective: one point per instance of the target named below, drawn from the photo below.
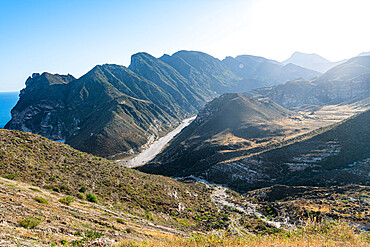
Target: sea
(7, 102)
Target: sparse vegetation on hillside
(313, 234)
(60, 168)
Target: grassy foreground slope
(51, 208)
(40, 162)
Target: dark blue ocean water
(7, 102)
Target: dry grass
(312, 234)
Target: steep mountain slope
(262, 72)
(91, 113)
(311, 61)
(333, 155)
(347, 81)
(113, 110)
(230, 122)
(337, 154)
(167, 78)
(203, 70)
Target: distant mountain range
(261, 72)
(312, 61)
(347, 81)
(117, 110)
(364, 54)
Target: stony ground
(59, 222)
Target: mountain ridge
(312, 61)
(96, 111)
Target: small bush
(48, 187)
(81, 196)
(37, 190)
(30, 222)
(67, 200)
(63, 241)
(64, 188)
(10, 176)
(149, 216)
(119, 220)
(41, 200)
(83, 189)
(92, 198)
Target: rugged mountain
(242, 142)
(233, 74)
(311, 61)
(335, 155)
(190, 97)
(93, 113)
(200, 67)
(111, 109)
(262, 72)
(367, 53)
(114, 110)
(347, 81)
(230, 122)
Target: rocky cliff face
(97, 113)
(46, 117)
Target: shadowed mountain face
(113, 109)
(95, 113)
(229, 122)
(198, 66)
(347, 81)
(211, 148)
(311, 61)
(334, 155)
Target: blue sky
(73, 36)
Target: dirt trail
(220, 198)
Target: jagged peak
(49, 79)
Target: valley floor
(154, 148)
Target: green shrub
(64, 188)
(83, 189)
(63, 241)
(81, 196)
(30, 222)
(41, 200)
(92, 198)
(67, 200)
(149, 216)
(37, 190)
(10, 176)
(119, 220)
(48, 187)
